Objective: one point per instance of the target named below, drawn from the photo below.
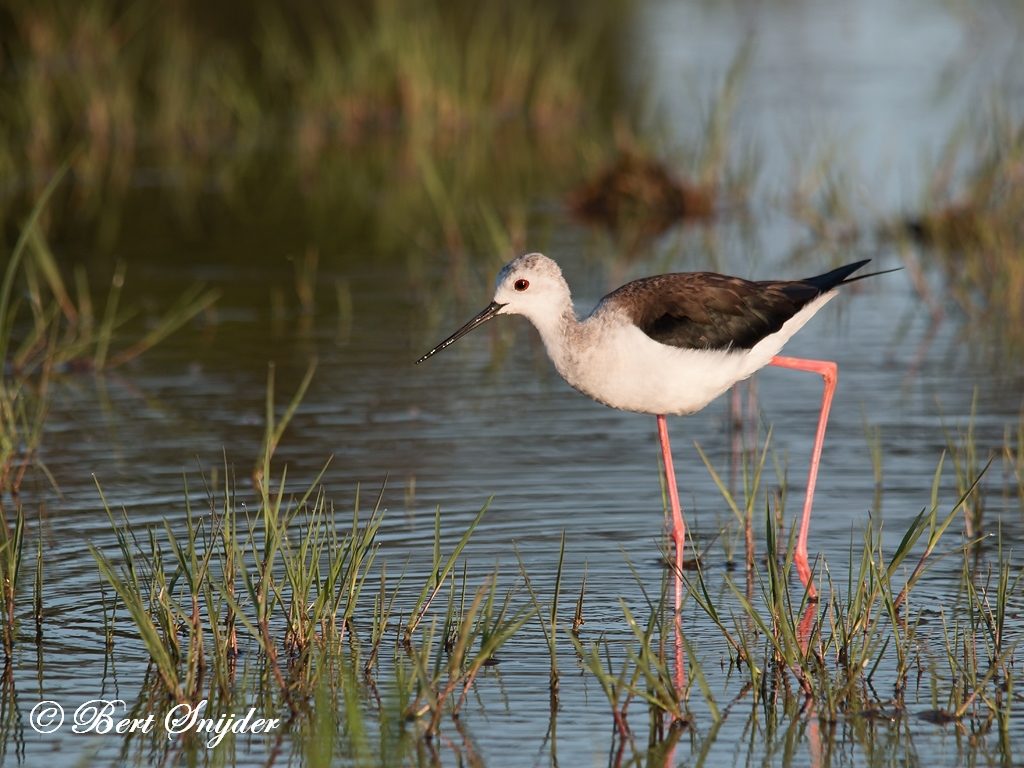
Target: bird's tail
(871, 274)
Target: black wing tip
(842, 276)
(837, 276)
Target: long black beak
(489, 311)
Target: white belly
(624, 368)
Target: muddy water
(490, 420)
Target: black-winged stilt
(671, 344)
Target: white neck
(557, 329)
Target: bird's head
(530, 285)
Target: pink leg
(679, 538)
(829, 371)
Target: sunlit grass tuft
(834, 653)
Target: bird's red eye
(521, 285)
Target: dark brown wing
(704, 310)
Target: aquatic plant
(969, 227)
(47, 329)
(833, 648)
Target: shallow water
(490, 420)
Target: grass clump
(12, 541)
(288, 606)
(970, 228)
(48, 329)
(836, 654)
(283, 586)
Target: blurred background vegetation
(360, 122)
(380, 132)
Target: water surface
(489, 421)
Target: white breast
(614, 362)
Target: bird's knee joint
(830, 373)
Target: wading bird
(671, 344)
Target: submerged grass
(270, 604)
(860, 652)
(550, 626)
(868, 635)
(276, 599)
(282, 601)
(287, 581)
(48, 331)
(12, 543)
